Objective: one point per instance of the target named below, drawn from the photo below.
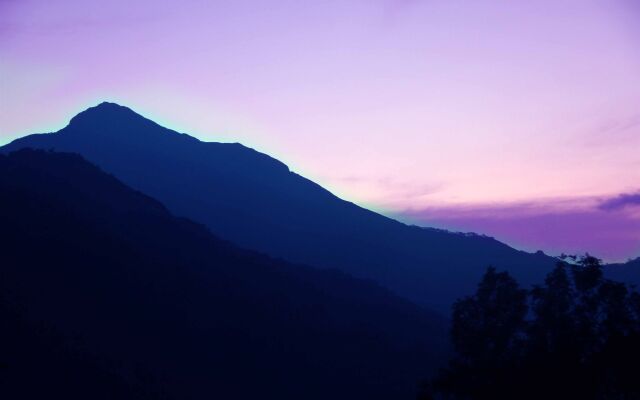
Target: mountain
(104, 294)
(256, 202)
(628, 272)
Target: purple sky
(518, 119)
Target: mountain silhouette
(104, 294)
(256, 202)
(628, 272)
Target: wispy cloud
(612, 130)
(387, 191)
(395, 10)
(621, 201)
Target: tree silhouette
(575, 336)
(487, 332)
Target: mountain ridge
(255, 201)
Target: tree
(487, 327)
(581, 338)
(553, 327)
(487, 333)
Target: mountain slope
(104, 294)
(254, 200)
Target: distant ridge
(628, 272)
(254, 200)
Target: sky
(519, 120)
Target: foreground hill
(254, 200)
(104, 294)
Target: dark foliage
(105, 295)
(575, 337)
(254, 201)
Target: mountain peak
(107, 107)
(107, 114)
(108, 104)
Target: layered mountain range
(256, 202)
(139, 262)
